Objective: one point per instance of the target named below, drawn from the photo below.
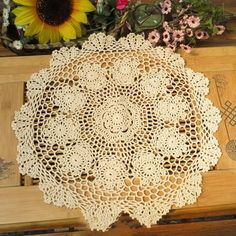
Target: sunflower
(51, 20)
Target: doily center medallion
(117, 126)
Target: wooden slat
(19, 69)
(11, 99)
(220, 96)
(215, 59)
(209, 228)
(21, 205)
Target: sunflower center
(54, 12)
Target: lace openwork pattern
(117, 126)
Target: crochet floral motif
(92, 76)
(149, 168)
(125, 71)
(109, 173)
(118, 126)
(71, 100)
(117, 119)
(171, 142)
(155, 82)
(78, 159)
(168, 111)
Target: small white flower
(5, 23)
(17, 44)
(6, 2)
(5, 13)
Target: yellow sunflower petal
(83, 5)
(79, 17)
(18, 10)
(77, 27)
(26, 2)
(44, 35)
(54, 34)
(25, 15)
(67, 31)
(34, 28)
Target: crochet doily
(117, 126)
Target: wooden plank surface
(24, 206)
(20, 205)
(11, 99)
(210, 228)
(215, 59)
(215, 62)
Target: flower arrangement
(54, 23)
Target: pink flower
(168, 2)
(221, 29)
(178, 35)
(199, 34)
(166, 36)
(166, 26)
(205, 35)
(186, 48)
(189, 32)
(165, 8)
(193, 21)
(121, 4)
(153, 37)
(171, 46)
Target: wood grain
(11, 99)
(24, 205)
(215, 59)
(210, 228)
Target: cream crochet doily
(117, 126)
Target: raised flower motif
(148, 167)
(155, 82)
(125, 70)
(78, 159)
(117, 119)
(92, 76)
(59, 130)
(171, 142)
(69, 98)
(109, 173)
(172, 108)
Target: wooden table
(22, 207)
